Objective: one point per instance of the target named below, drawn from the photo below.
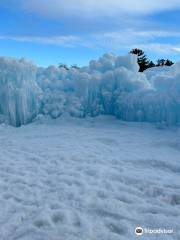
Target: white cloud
(176, 48)
(66, 41)
(131, 38)
(91, 8)
(109, 41)
(112, 40)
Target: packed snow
(111, 85)
(88, 179)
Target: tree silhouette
(160, 62)
(75, 67)
(62, 65)
(163, 62)
(151, 64)
(143, 61)
(169, 62)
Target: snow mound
(110, 85)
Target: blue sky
(76, 31)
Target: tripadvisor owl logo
(139, 231)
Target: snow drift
(111, 85)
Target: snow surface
(110, 85)
(88, 179)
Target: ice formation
(111, 85)
(18, 91)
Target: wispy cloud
(160, 48)
(66, 41)
(130, 38)
(91, 8)
(109, 41)
(176, 48)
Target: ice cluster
(111, 85)
(19, 91)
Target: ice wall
(91, 90)
(110, 85)
(18, 91)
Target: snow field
(88, 179)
